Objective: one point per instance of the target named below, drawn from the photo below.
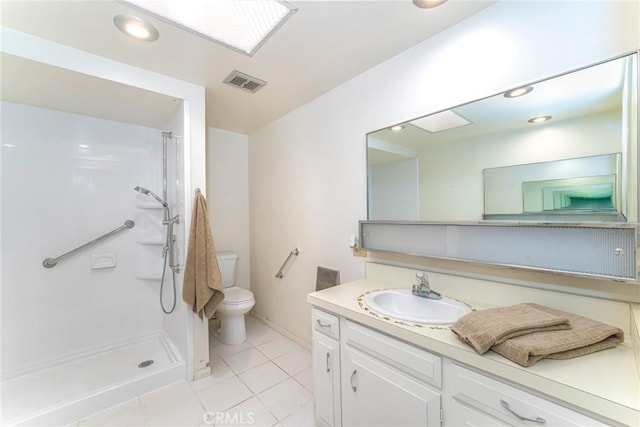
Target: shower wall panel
(67, 179)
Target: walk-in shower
(78, 330)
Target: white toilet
(237, 301)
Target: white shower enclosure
(89, 332)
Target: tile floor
(265, 381)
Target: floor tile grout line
(269, 359)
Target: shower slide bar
(52, 262)
(280, 273)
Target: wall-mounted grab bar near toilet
(51, 262)
(280, 273)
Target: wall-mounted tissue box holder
(99, 261)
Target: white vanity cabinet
(326, 368)
(366, 378)
(386, 382)
(474, 399)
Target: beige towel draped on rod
(202, 287)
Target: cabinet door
(326, 380)
(375, 394)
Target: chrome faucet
(422, 288)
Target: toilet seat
(236, 295)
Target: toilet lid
(236, 295)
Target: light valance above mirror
(437, 167)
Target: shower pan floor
(69, 390)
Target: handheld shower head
(152, 195)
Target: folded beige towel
(202, 286)
(585, 336)
(485, 328)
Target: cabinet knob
(328, 362)
(505, 405)
(353, 376)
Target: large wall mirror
(559, 150)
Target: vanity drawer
(325, 323)
(504, 403)
(412, 361)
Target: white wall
(393, 190)
(308, 171)
(228, 196)
(67, 179)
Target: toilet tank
(227, 262)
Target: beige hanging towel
(202, 287)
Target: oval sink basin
(402, 304)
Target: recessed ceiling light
(428, 4)
(539, 119)
(397, 128)
(518, 92)
(240, 25)
(136, 27)
(441, 121)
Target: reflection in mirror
(437, 167)
(582, 189)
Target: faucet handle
(422, 278)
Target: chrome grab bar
(280, 274)
(52, 262)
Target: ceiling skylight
(240, 25)
(441, 121)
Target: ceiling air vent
(243, 81)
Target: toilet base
(233, 329)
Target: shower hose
(173, 274)
(167, 250)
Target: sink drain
(145, 363)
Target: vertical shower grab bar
(280, 274)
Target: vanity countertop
(605, 383)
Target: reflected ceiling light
(240, 25)
(442, 121)
(428, 4)
(539, 119)
(518, 92)
(397, 128)
(136, 27)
